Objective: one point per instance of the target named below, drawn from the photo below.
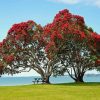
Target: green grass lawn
(72, 91)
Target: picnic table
(37, 80)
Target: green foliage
(93, 57)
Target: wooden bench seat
(37, 80)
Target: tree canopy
(64, 45)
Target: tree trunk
(79, 79)
(46, 80)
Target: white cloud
(66, 1)
(23, 74)
(97, 3)
(91, 2)
(85, 2)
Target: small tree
(73, 43)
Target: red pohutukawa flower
(8, 58)
(1, 44)
(22, 30)
(98, 62)
(51, 44)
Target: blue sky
(43, 12)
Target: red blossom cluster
(63, 15)
(1, 44)
(56, 34)
(78, 19)
(95, 36)
(4, 46)
(21, 30)
(8, 58)
(98, 62)
(50, 44)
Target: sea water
(12, 81)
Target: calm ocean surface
(12, 81)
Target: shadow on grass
(80, 84)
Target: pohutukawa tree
(65, 45)
(74, 44)
(24, 49)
